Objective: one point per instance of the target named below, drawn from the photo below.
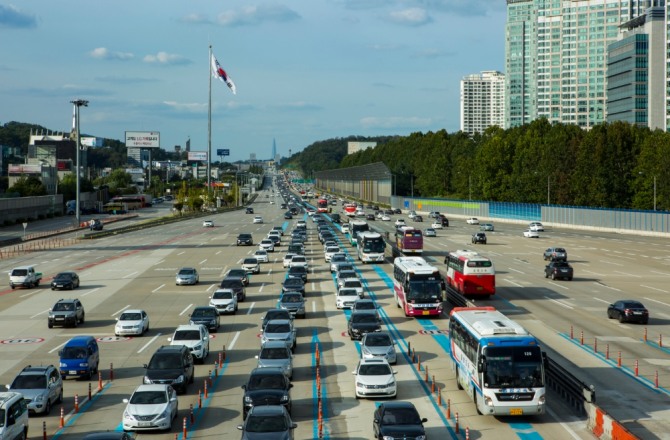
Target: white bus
(356, 226)
(370, 246)
(498, 363)
(417, 287)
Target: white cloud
(410, 17)
(254, 15)
(196, 19)
(165, 58)
(103, 53)
(395, 122)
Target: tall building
(274, 149)
(482, 101)
(556, 57)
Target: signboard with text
(143, 139)
(197, 156)
(223, 152)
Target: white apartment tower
(482, 101)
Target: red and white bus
(409, 240)
(322, 205)
(470, 273)
(417, 287)
(350, 209)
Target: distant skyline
(305, 70)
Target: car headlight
(179, 379)
(421, 437)
(391, 382)
(284, 398)
(128, 416)
(247, 399)
(360, 384)
(198, 347)
(165, 414)
(39, 398)
(83, 364)
(63, 365)
(391, 350)
(147, 380)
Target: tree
(28, 187)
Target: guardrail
(575, 392)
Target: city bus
(470, 273)
(322, 205)
(498, 363)
(417, 287)
(409, 240)
(370, 247)
(356, 226)
(350, 209)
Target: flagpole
(209, 123)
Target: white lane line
(313, 306)
(40, 313)
(656, 301)
(512, 282)
(607, 287)
(158, 262)
(57, 347)
(186, 309)
(90, 291)
(213, 286)
(201, 263)
(232, 344)
(565, 426)
(559, 303)
(130, 275)
(627, 274)
(30, 293)
(602, 300)
(148, 343)
(217, 253)
(611, 263)
(158, 288)
(119, 311)
(270, 271)
(658, 273)
(558, 285)
(313, 286)
(517, 271)
(260, 289)
(182, 252)
(251, 307)
(654, 288)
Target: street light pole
(78, 103)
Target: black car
(275, 314)
(397, 211)
(293, 285)
(443, 220)
(282, 206)
(628, 310)
(250, 210)
(361, 323)
(266, 386)
(172, 365)
(268, 422)
(370, 217)
(417, 218)
(558, 270)
(239, 273)
(65, 280)
(236, 285)
(207, 316)
(397, 420)
(335, 218)
(479, 238)
(245, 239)
(298, 272)
(288, 215)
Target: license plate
(144, 423)
(516, 412)
(72, 372)
(426, 312)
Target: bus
(409, 240)
(370, 246)
(322, 205)
(356, 226)
(417, 287)
(350, 209)
(498, 363)
(470, 273)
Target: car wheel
(553, 276)
(50, 324)
(645, 322)
(47, 407)
(60, 397)
(458, 383)
(546, 275)
(83, 318)
(53, 288)
(621, 318)
(75, 323)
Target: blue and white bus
(498, 363)
(370, 247)
(356, 226)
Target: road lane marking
(232, 343)
(654, 288)
(559, 303)
(130, 275)
(30, 293)
(90, 291)
(158, 288)
(251, 307)
(40, 313)
(119, 311)
(151, 341)
(186, 309)
(201, 263)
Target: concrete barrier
(605, 427)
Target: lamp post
(78, 103)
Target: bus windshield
(374, 245)
(516, 367)
(429, 291)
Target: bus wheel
(458, 382)
(474, 398)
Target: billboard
(200, 156)
(143, 139)
(25, 169)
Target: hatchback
(378, 345)
(42, 387)
(628, 310)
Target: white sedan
(400, 222)
(436, 225)
(208, 224)
(261, 256)
(536, 226)
(385, 218)
(472, 221)
(529, 233)
(132, 322)
(158, 400)
(258, 219)
(267, 245)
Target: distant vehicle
(370, 247)
(293, 285)
(378, 345)
(479, 238)
(486, 227)
(275, 314)
(224, 301)
(385, 218)
(208, 224)
(250, 264)
(470, 273)
(171, 365)
(430, 232)
(261, 256)
(558, 269)
(293, 302)
(436, 225)
(356, 226)
(65, 280)
(66, 313)
(399, 222)
(275, 354)
(240, 274)
(361, 323)
(417, 218)
(207, 316)
(472, 221)
(24, 276)
(531, 234)
(267, 245)
(322, 205)
(417, 287)
(409, 240)
(132, 322)
(555, 254)
(288, 215)
(195, 337)
(536, 226)
(345, 298)
(258, 219)
(245, 239)
(279, 330)
(628, 310)
(187, 275)
(397, 211)
(95, 225)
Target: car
(375, 378)
(397, 211)
(442, 219)
(345, 298)
(398, 420)
(65, 281)
(188, 276)
(224, 301)
(370, 217)
(353, 283)
(132, 322)
(236, 285)
(267, 245)
(365, 304)
(249, 210)
(330, 243)
(261, 256)
(479, 238)
(108, 435)
(487, 227)
(258, 220)
(345, 228)
(95, 225)
(536, 226)
(266, 386)
(330, 251)
(195, 337)
(344, 266)
(207, 316)
(400, 222)
(283, 206)
(472, 221)
(555, 254)
(275, 354)
(343, 275)
(411, 214)
(298, 260)
(417, 218)
(336, 259)
(170, 365)
(359, 213)
(430, 232)
(288, 215)
(628, 310)
(278, 229)
(436, 225)
(361, 323)
(531, 234)
(297, 272)
(293, 285)
(245, 240)
(279, 330)
(42, 387)
(275, 239)
(66, 313)
(275, 314)
(434, 214)
(208, 224)
(301, 224)
(286, 261)
(150, 407)
(79, 357)
(385, 218)
(293, 302)
(240, 274)
(251, 265)
(558, 270)
(268, 422)
(379, 345)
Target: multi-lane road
(136, 270)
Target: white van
(13, 416)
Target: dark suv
(171, 365)
(479, 238)
(558, 269)
(555, 254)
(266, 386)
(66, 312)
(245, 239)
(41, 386)
(236, 285)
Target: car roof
(398, 404)
(206, 307)
(275, 344)
(151, 387)
(280, 321)
(364, 361)
(133, 311)
(266, 371)
(267, 410)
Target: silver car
(378, 345)
(250, 264)
(42, 387)
(187, 275)
(276, 354)
(279, 330)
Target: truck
(24, 276)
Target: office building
(482, 101)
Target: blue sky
(305, 70)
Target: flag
(218, 72)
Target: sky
(304, 70)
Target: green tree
(28, 187)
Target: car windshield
(223, 294)
(266, 424)
(237, 273)
(377, 340)
(63, 307)
(19, 272)
(374, 370)
(63, 276)
(165, 361)
(186, 335)
(365, 305)
(294, 282)
(204, 313)
(148, 398)
(561, 264)
(364, 318)
(292, 298)
(352, 283)
(130, 316)
(273, 353)
(298, 259)
(632, 305)
(30, 382)
(401, 416)
(187, 272)
(264, 382)
(338, 257)
(277, 328)
(73, 353)
(348, 292)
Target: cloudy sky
(304, 70)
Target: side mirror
(244, 387)
(125, 401)
(7, 386)
(256, 357)
(424, 420)
(169, 339)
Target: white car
(345, 298)
(195, 337)
(353, 283)
(261, 256)
(430, 232)
(472, 221)
(345, 228)
(224, 300)
(330, 251)
(375, 378)
(336, 259)
(208, 224)
(529, 233)
(132, 322)
(436, 225)
(267, 245)
(400, 222)
(258, 219)
(287, 259)
(298, 260)
(385, 218)
(301, 224)
(536, 226)
(411, 214)
(150, 407)
(251, 265)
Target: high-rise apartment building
(556, 57)
(482, 101)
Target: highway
(136, 270)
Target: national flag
(218, 72)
